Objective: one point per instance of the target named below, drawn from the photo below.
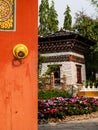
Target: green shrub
(96, 84)
(47, 94)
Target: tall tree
(53, 21)
(43, 17)
(87, 27)
(94, 52)
(67, 19)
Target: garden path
(90, 124)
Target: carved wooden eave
(63, 41)
(63, 58)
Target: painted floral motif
(7, 14)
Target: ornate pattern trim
(62, 46)
(63, 58)
(7, 15)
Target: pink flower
(53, 110)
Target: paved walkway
(91, 124)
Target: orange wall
(18, 81)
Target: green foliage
(96, 83)
(95, 3)
(53, 21)
(85, 25)
(92, 62)
(47, 94)
(40, 60)
(88, 27)
(67, 19)
(48, 21)
(43, 17)
(51, 69)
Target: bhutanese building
(67, 50)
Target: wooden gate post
(18, 75)
(52, 80)
(64, 82)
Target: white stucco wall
(68, 68)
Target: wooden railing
(52, 82)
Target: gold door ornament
(7, 14)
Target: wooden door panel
(18, 79)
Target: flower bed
(60, 107)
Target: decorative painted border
(68, 45)
(64, 58)
(7, 15)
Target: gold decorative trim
(7, 15)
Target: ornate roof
(63, 41)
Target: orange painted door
(18, 78)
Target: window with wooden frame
(79, 76)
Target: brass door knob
(20, 51)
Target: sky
(75, 6)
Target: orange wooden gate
(18, 77)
